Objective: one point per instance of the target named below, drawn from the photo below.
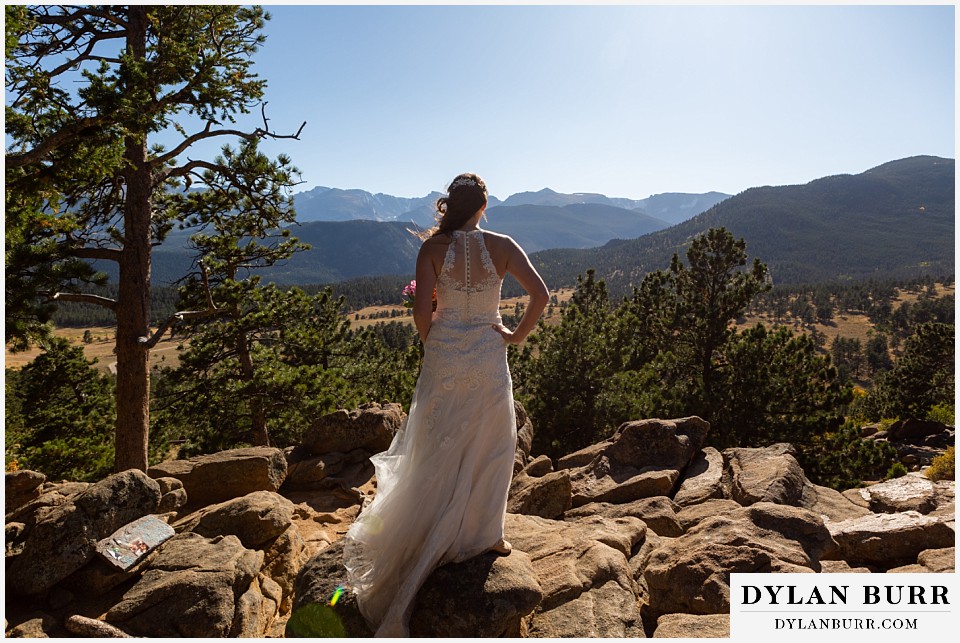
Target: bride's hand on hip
(508, 335)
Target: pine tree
(88, 88)
(560, 385)
(59, 414)
(922, 377)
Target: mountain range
(334, 204)
(895, 220)
(354, 233)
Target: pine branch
(40, 152)
(183, 315)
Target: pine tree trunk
(258, 418)
(133, 301)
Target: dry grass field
(852, 326)
(101, 348)
(373, 314)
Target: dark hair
(467, 194)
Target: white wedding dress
(442, 485)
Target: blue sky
(627, 101)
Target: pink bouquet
(410, 292)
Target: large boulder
(255, 518)
(315, 585)
(890, 540)
(938, 561)
(282, 560)
(65, 539)
(642, 459)
(20, 487)
(485, 596)
(539, 491)
(912, 492)
(261, 520)
(370, 427)
(769, 474)
(607, 610)
(525, 435)
(915, 430)
(209, 479)
(584, 563)
(335, 472)
(51, 496)
(702, 480)
(192, 588)
(691, 573)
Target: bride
(442, 485)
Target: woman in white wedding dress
(442, 485)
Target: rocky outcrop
(690, 574)
(642, 459)
(371, 427)
(316, 584)
(658, 513)
(538, 490)
(192, 588)
(209, 479)
(912, 492)
(584, 572)
(635, 536)
(254, 518)
(485, 596)
(65, 539)
(915, 430)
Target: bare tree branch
(207, 132)
(82, 298)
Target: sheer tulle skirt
(442, 485)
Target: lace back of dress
(468, 270)
(469, 286)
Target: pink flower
(410, 292)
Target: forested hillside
(896, 220)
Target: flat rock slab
(890, 540)
(213, 478)
(693, 626)
(906, 493)
(129, 544)
(659, 513)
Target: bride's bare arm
(426, 276)
(518, 265)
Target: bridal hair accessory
(463, 180)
